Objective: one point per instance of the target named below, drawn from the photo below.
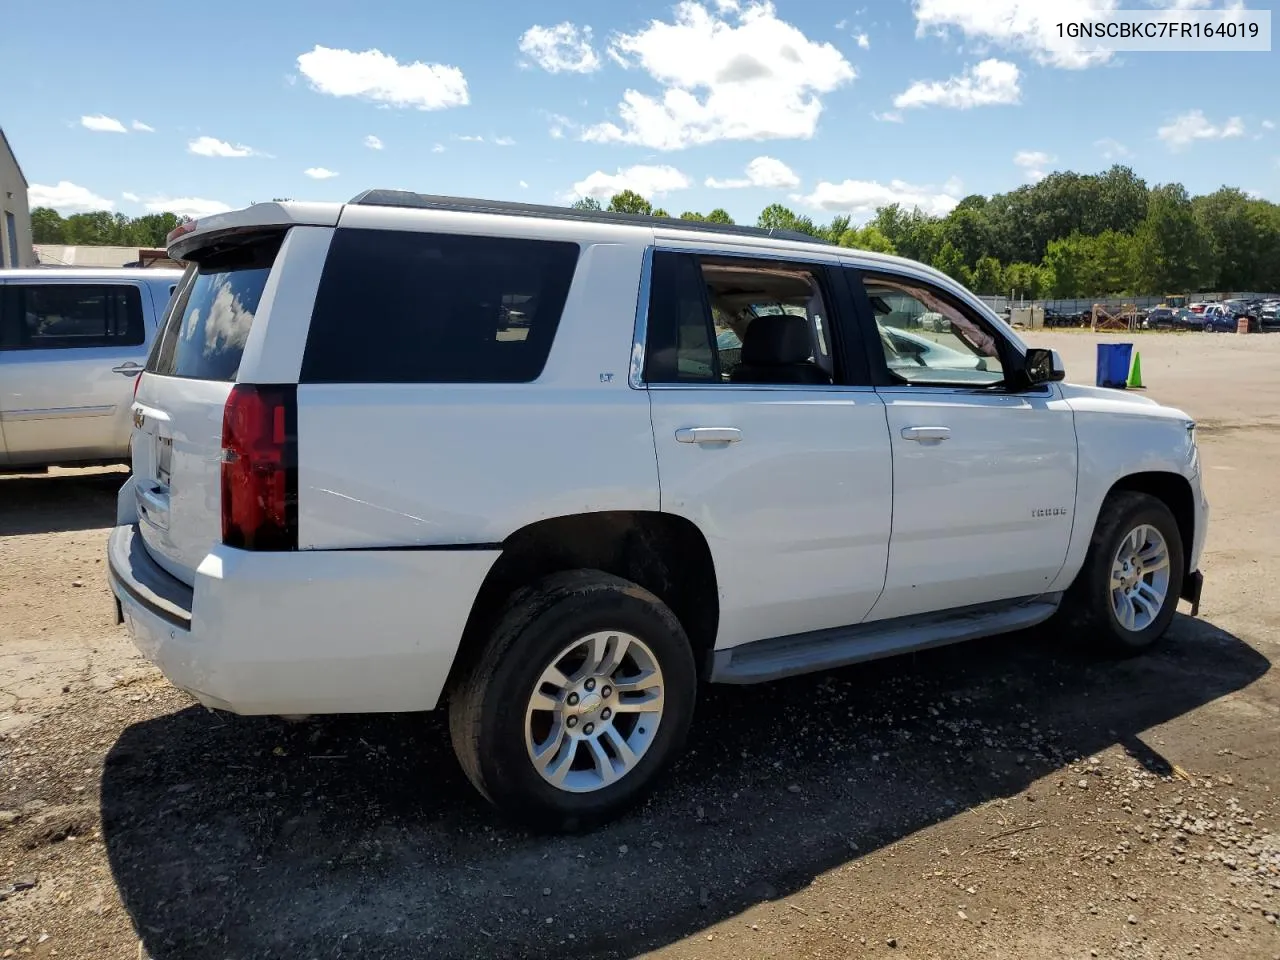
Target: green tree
(1172, 253)
(586, 203)
(988, 276)
(628, 201)
(777, 217)
(868, 238)
(1026, 280)
(47, 226)
(660, 212)
(951, 262)
(692, 215)
(719, 215)
(836, 229)
(153, 229)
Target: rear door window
(405, 307)
(210, 318)
(59, 316)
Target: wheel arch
(1174, 491)
(662, 552)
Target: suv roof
(426, 201)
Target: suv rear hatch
(182, 397)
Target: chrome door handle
(130, 369)
(708, 434)
(925, 434)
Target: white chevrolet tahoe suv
(552, 468)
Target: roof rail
(425, 201)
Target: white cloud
(213, 147)
(101, 123)
(372, 142)
(131, 197)
(1027, 26)
(374, 75)
(67, 197)
(864, 41)
(1268, 125)
(761, 172)
(438, 148)
(504, 141)
(143, 127)
(523, 185)
(320, 173)
(889, 116)
(738, 74)
(1188, 127)
(860, 198)
(466, 138)
(564, 48)
(988, 83)
(1112, 149)
(194, 207)
(1033, 163)
(648, 181)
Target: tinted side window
(929, 338)
(57, 316)
(209, 321)
(402, 307)
(719, 319)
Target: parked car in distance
(72, 343)
(557, 530)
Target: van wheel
(581, 699)
(1127, 592)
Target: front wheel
(1126, 594)
(579, 702)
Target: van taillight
(260, 467)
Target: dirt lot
(1011, 798)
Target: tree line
(102, 228)
(1068, 235)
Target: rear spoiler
(190, 236)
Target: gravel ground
(1007, 798)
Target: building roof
(63, 255)
(4, 141)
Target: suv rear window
(212, 312)
(403, 307)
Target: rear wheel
(581, 699)
(1126, 594)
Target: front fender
(1120, 437)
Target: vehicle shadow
(253, 837)
(57, 502)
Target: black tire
(1087, 611)
(487, 710)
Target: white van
(72, 343)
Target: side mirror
(1043, 366)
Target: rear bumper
(357, 631)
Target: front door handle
(925, 434)
(129, 369)
(708, 434)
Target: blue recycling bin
(1113, 364)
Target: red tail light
(260, 468)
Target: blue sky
(828, 107)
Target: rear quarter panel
(384, 465)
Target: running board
(799, 653)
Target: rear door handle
(129, 369)
(926, 433)
(708, 434)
